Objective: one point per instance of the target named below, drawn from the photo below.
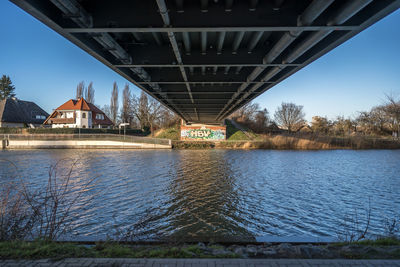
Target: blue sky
(45, 68)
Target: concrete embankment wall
(74, 144)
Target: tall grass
(313, 142)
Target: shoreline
(81, 141)
(272, 142)
(386, 248)
(282, 142)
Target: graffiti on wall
(203, 133)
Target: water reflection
(220, 193)
(204, 197)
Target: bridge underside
(205, 59)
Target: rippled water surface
(202, 193)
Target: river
(221, 193)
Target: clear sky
(45, 68)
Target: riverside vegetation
(375, 129)
(237, 139)
(379, 249)
(32, 222)
(144, 113)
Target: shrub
(172, 133)
(52, 204)
(192, 144)
(16, 218)
(44, 213)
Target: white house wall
(80, 122)
(84, 122)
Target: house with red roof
(78, 114)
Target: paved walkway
(199, 262)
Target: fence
(5, 130)
(91, 137)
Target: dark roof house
(18, 113)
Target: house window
(39, 117)
(83, 115)
(99, 117)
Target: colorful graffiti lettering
(203, 134)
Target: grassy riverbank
(60, 250)
(387, 248)
(310, 142)
(294, 142)
(237, 139)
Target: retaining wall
(74, 144)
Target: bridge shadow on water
(206, 200)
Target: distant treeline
(382, 120)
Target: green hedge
(192, 144)
(7, 130)
(71, 131)
(84, 131)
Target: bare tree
(253, 117)
(140, 109)
(392, 109)
(365, 121)
(80, 89)
(379, 118)
(126, 110)
(89, 93)
(374, 121)
(106, 109)
(153, 114)
(168, 118)
(246, 113)
(147, 111)
(114, 106)
(320, 124)
(289, 116)
(261, 120)
(342, 126)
